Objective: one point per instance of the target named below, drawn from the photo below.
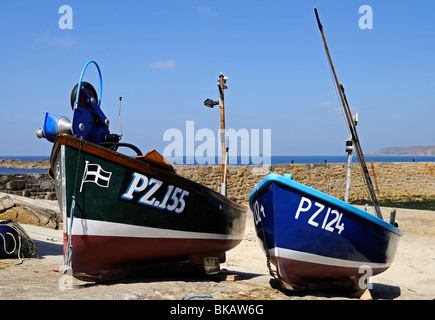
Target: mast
(352, 126)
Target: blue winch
(89, 121)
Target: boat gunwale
(122, 159)
(276, 178)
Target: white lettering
(258, 209)
(311, 220)
(190, 142)
(240, 144)
(238, 309)
(205, 152)
(66, 281)
(366, 21)
(364, 282)
(233, 136)
(301, 208)
(198, 311)
(138, 184)
(166, 197)
(326, 218)
(305, 205)
(173, 152)
(146, 196)
(255, 147)
(66, 21)
(174, 199)
(181, 201)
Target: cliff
(407, 151)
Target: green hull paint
(202, 213)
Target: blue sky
(164, 59)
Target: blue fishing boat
(314, 239)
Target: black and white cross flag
(94, 173)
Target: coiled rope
(26, 246)
(4, 243)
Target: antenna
(119, 114)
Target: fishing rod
(352, 126)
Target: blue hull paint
(312, 237)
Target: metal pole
(352, 128)
(349, 167)
(349, 150)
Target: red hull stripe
(111, 229)
(306, 273)
(323, 260)
(101, 255)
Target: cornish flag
(94, 173)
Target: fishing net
(20, 244)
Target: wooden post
(222, 87)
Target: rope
(4, 243)
(68, 252)
(26, 247)
(201, 297)
(272, 272)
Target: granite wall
(35, 186)
(392, 180)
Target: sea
(274, 160)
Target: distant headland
(416, 151)
(25, 164)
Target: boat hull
(314, 239)
(126, 212)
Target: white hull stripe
(113, 229)
(314, 258)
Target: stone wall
(392, 180)
(35, 186)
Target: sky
(164, 59)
